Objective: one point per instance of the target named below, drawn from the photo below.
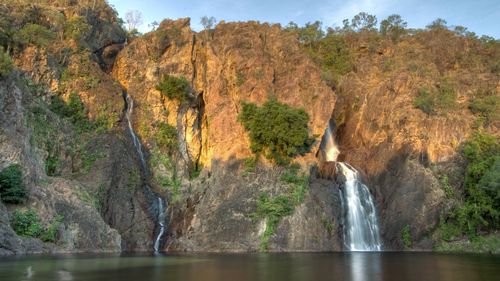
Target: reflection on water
(356, 266)
(365, 266)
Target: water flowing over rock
(157, 206)
(361, 232)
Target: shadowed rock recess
(65, 110)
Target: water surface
(356, 266)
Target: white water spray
(361, 231)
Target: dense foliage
(12, 189)
(28, 224)
(276, 130)
(177, 88)
(480, 211)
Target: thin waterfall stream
(361, 232)
(138, 146)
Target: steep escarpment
(235, 63)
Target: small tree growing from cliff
(276, 129)
(175, 88)
(12, 189)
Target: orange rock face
(236, 62)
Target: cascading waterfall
(361, 231)
(138, 146)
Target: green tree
(394, 27)
(276, 129)
(12, 189)
(166, 137)
(364, 22)
(437, 24)
(36, 34)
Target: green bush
(486, 104)
(166, 137)
(276, 129)
(430, 101)
(12, 189)
(26, 223)
(425, 101)
(175, 88)
(6, 64)
(480, 210)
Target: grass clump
(175, 88)
(277, 130)
(12, 189)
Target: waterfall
(138, 146)
(361, 228)
(161, 222)
(135, 139)
(361, 231)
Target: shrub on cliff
(28, 224)
(276, 129)
(175, 88)
(6, 64)
(166, 137)
(12, 189)
(442, 99)
(36, 34)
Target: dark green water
(241, 267)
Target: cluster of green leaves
(442, 99)
(28, 224)
(177, 88)
(480, 210)
(277, 130)
(273, 208)
(12, 189)
(6, 64)
(447, 188)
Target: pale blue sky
(480, 16)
